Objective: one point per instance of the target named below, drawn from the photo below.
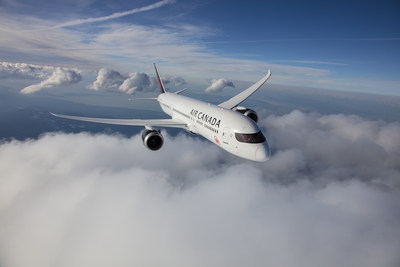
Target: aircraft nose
(263, 152)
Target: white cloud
(112, 80)
(181, 45)
(217, 85)
(23, 70)
(136, 47)
(337, 145)
(107, 79)
(174, 80)
(95, 200)
(53, 76)
(137, 81)
(60, 76)
(117, 14)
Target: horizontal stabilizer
(180, 91)
(144, 98)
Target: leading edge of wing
(242, 96)
(132, 122)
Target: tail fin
(160, 83)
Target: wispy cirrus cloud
(116, 15)
(135, 47)
(183, 46)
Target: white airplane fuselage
(230, 130)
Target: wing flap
(131, 122)
(239, 98)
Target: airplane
(230, 126)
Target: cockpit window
(250, 138)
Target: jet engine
(152, 139)
(247, 112)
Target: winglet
(160, 83)
(239, 98)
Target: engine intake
(152, 139)
(247, 112)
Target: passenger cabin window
(250, 138)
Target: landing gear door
(225, 135)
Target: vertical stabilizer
(160, 83)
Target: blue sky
(343, 45)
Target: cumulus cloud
(107, 79)
(137, 81)
(53, 76)
(174, 80)
(59, 77)
(112, 80)
(217, 85)
(23, 70)
(331, 187)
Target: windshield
(250, 138)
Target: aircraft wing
(132, 122)
(242, 96)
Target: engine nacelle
(152, 139)
(247, 112)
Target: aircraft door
(225, 135)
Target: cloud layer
(217, 85)
(52, 76)
(337, 145)
(112, 80)
(329, 196)
(134, 46)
